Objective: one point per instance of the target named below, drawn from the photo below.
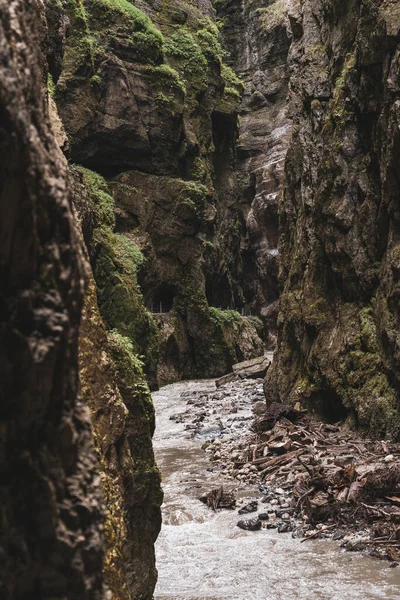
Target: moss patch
(118, 260)
(224, 317)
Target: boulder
(252, 369)
(225, 379)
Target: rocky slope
(51, 512)
(338, 344)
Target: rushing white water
(202, 555)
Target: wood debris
(336, 482)
(219, 498)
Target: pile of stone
(222, 421)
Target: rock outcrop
(338, 345)
(122, 415)
(51, 514)
(55, 481)
(256, 33)
(114, 387)
(149, 103)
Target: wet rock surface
(338, 342)
(250, 524)
(257, 36)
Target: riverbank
(202, 554)
(315, 479)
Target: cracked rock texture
(114, 387)
(256, 33)
(338, 343)
(51, 514)
(149, 103)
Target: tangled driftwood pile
(316, 479)
(336, 482)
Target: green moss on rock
(121, 19)
(223, 317)
(130, 369)
(101, 201)
(188, 57)
(118, 259)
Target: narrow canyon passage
(202, 555)
(203, 192)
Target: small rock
(259, 408)
(249, 508)
(356, 544)
(282, 511)
(297, 533)
(283, 527)
(263, 516)
(250, 524)
(389, 458)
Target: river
(202, 555)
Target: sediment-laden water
(202, 555)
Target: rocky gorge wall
(258, 38)
(150, 109)
(51, 513)
(178, 150)
(80, 488)
(338, 341)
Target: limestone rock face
(114, 388)
(338, 343)
(257, 36)
(149, 103)
(51, 511)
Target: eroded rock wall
(149, 103)
(338, 343)
(114, 387)
(122, 416)
(258, 38)
(51, 514)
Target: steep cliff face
(257, 36)
(50, 517)
(114, 387)
(338, 348)
(55, 482)
(149, 103)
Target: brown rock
(253, 369)
(50, 537)
(338, 342)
